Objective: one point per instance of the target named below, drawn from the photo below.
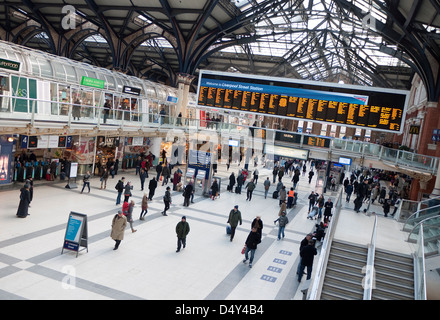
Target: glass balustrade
(124, 116)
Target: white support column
(184, 81)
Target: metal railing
(421, 214)
(71, 113)
(369, 279)
(420, 268)
(316, 287)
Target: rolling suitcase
(275, 195)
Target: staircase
(394, 276)
(343, 278)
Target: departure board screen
(355, 106)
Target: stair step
(386, 294)
(379, 285)
(349, 253)
(407, 281)
(342, 265)
(393, 256)
(355, 261)
(344, 274)
(343, 293)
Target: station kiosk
(190, 173)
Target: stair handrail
(369, 279)
(420, 268)
(418, 213)
(315, 291)
(420, 224)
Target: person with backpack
(250, 188)
(86, 181)
(282, 222)
(167, 201)
(120, 188)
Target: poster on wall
(5, 163)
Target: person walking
(307, 255)
(290, 198)
(25, 200)
(120, 188)
(129, 215)
(127, 191)
(311, 174)
(256, 173)
(302, 245)
(386, 207)
(252, 241)
(158, 171)
(182, 230)
(104, 178)
(283, 195)
(283, 208)
(250, 188)
(142, 176)
(266, 187)
(349, 191)
(312, 200)
(165, 174)
(233, 219)
(328, 206)
(282, 222)
(214, 189)
(119, 223)
(274, 174)
(86, 181)
(144, 206)
(320, 203)
(258, 223)
(231, 182)
(152, 188)
(187, 192)
(240, 181)
(166, 201)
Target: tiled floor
(146, 266)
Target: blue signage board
(76, 233)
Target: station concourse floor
(146, 265)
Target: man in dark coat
(307, 255)
(152, 187)
(182, 230)
(253, 239)
(231, 182)
(25, 200)
(234, 219)
(187, 193)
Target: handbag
(243, 250)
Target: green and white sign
(22, 89)
(92, 82)
(10, 65)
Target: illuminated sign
(345, 161)
(355, 106)
(92, 82)
(414, 129)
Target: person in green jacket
(182, 230)
(234, 219)
(250, 188)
